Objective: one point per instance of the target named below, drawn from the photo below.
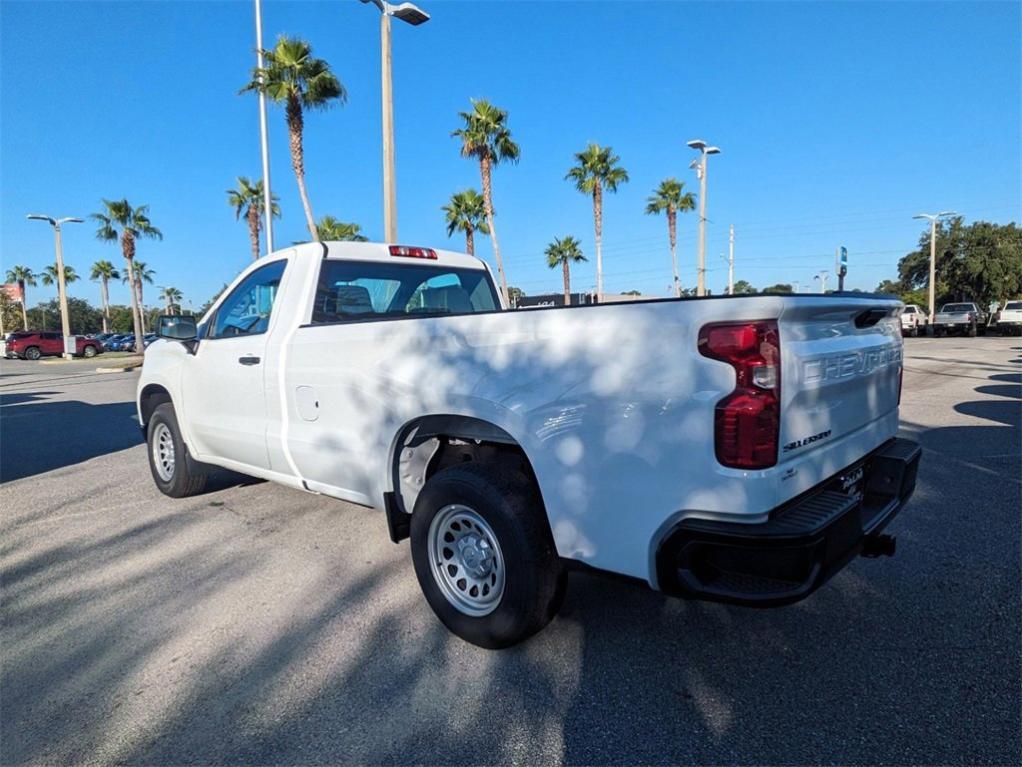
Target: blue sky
(837, 123)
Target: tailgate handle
(869, 318)
(248, 360)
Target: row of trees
(980, 262)
(119, 222)
(294, 78)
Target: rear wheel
(173, 471)
(484, 555)
(89, 351)
(33, 353)
(971, 332)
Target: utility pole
(700, 169)
(731, 262)
(415, 16)
(61, 286)
(263, 133)
(932, 217)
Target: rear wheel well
(434, 443)
(152, 397)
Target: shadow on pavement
(162, 654)
(42, 436)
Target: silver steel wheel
(466, 561)
(163, 452)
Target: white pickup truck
(738, 449)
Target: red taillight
(747, 422)
(408, 252)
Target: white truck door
(223, 383)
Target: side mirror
(176, 328)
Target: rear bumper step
(801, 545)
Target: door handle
(248, 360)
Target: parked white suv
(913, 320)
(738, 449)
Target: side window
(246, 311)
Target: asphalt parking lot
(256, 624)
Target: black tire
(89, 351)
(971, 332)
(33, 353)
(533, 578)
(185, 477)
(914, 331)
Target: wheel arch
(151, 397)
(427, 443)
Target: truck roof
(381, 251)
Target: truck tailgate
(840, 370)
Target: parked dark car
(31, 346)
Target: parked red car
(32, 346)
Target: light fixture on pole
(69, 344)
(932, 218)
(822, 277)
(410, 14)
(263, 132)
(700, 168)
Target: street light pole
(65, 324)
(822, 277)
(932, 217)
(700, 168)
(263, 132)
(413, 15)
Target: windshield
(365, 290)
(957, 308)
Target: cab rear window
(353, 291)
(1014, 306)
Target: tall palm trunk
(470, 241)
(672, 233)
(24, 301)
(295, 126)
(128, 249)
(104, 294)
(484, 171)
(598, 225)
(253, 229)
(141, 303)
(567, 283)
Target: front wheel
(89, 351)
(174, 473)
(484, 555)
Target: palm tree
(671, 197)
(294, 78)
(487, 138)
(563, 252)
(104, 271)
(248, 198)
(329, 228)
(23, 276)
(50, 275)
(466, 212)
(597, 170)
(120, 221)
(143, 274)
(173, 298)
